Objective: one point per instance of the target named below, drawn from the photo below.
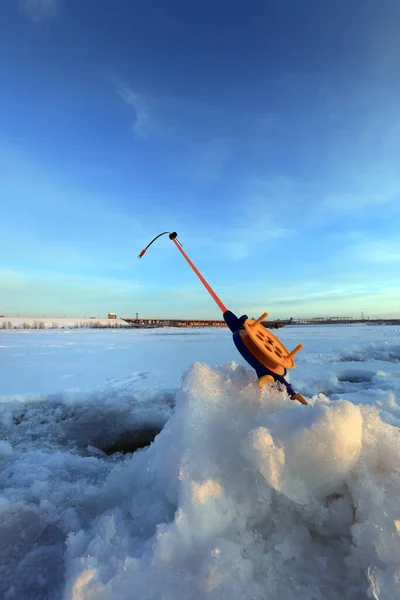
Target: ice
(241, 494)
(5, 449)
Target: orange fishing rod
(257, 345)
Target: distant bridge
(147, 323)
(175, 322)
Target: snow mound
(244, 494)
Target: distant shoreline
(7, 323)
(26, 323)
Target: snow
(242, 494)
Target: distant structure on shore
(152, 323)
(147, 323)
(112, 322)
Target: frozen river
(243, 494)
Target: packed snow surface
(243, 493)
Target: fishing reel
(266, 347)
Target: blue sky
(266, 133)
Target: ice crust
(244, 494)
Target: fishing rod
(260, 348)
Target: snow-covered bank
(243, 494)
(60, 323)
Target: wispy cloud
(379, 251)
(239, 243)
(40, 10)
(140, 106)
(316, 298)
(384, 190)
(191, 152)
(260, 215)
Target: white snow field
(244, 494)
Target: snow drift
(243, 494)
